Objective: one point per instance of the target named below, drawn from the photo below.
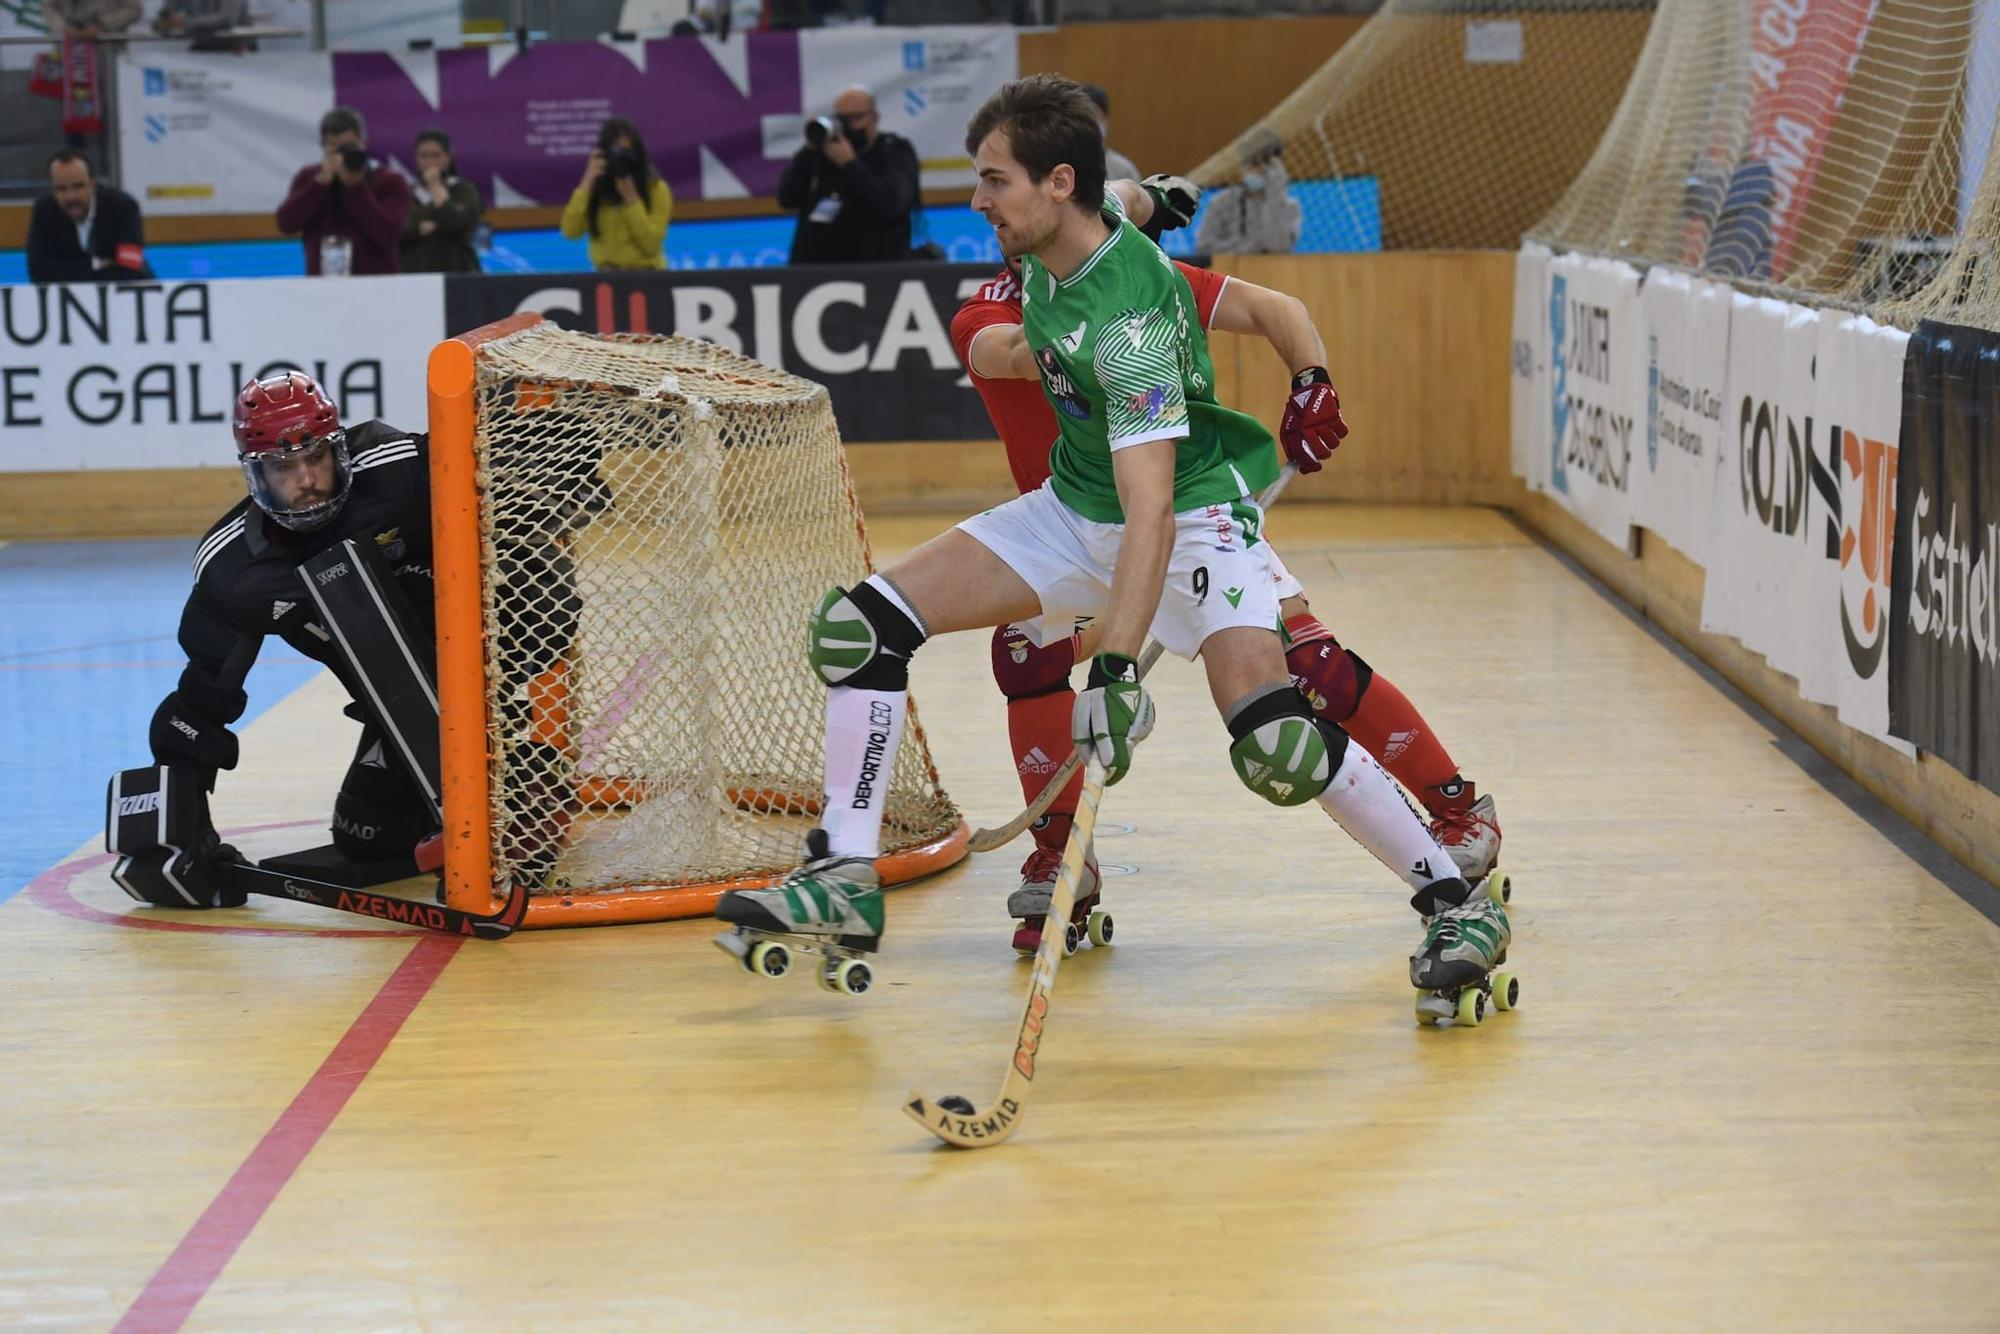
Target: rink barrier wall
(1419, 345)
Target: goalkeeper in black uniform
(312, 484)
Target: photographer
(853, 187)
(438, 237)
(348, 206)
(621, 202)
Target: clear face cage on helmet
(300, 485)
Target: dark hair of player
(1048, 121)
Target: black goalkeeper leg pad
(390, 663)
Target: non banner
(1774, 516)
(1529, 377)
(203, 133)
(1687, 357)
(1596, 393)
(878, 336)
(1858, 414)
(1944, 613)
(141, 375)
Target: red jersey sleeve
(1207, 286)
(998, 302)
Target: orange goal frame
(464, 747)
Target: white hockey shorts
(1219, 575)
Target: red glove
(1313, 427)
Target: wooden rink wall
(1418, 343)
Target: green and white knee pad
(862, 639)
(1281, 751)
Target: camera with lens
(621, 164)
(820, 129)
(353, 158)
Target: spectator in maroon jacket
(349, 207)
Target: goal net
(1824, 152)
(1440, 124)
(631, 532)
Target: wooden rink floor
(1754, 1082)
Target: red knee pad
(1023, 671)
(1328, 676)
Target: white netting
(1815, 151)
(1467, 117)
(658, 516)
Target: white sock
(863, 730)
(1365, 801)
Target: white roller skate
(830, 906)
(1030, 903)
(1469, 830)
(1453, 967)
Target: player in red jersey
(1341, 687)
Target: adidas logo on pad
(280, 608)
(1036, 762)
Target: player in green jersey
(1148, 523)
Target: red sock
(1039, 729)
(1389, 727)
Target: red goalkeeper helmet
(293, 450)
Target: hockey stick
(254, 879)
(986, 840)
(954, 1119)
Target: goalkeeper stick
(954, 1119)
(253, 879)
(986, 840)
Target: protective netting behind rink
(1809, 150)
(657, 516)
(1470, 116)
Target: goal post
(629, 533)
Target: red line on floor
(172, 1293)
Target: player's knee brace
(1332, 678)
(1024, 671)
(1280, 750)
(863, 638)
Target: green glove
(1113, 713)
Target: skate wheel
(1500, 887)
(1098, 927)
(852, 977)
(1471, 1007)
(1072, 938)
(769, 959)
(1027, 938)
(1506, 991)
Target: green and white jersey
(1123, 361)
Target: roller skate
(1030, 903)
(1464, 824)
(1452, 969)
(830, 906)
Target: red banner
(82, 95)
(1801, 57)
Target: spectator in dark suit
(348, 207)
(84, 231)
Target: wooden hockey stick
(954, 1119)
(986, 840)
(253, 879)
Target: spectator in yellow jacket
(621, 201)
